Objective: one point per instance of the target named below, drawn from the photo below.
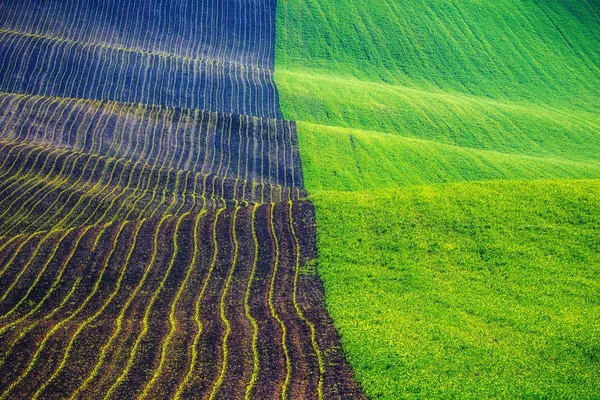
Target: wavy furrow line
(173, 322)
(101, 191)
(16, 280)
(69, 347)
(248, 313)
(123, 309)
(222, 313)
(53, 288)
(299, 312)
(38, 118)
(274, 314)
(152, 227)
(133, 312)
(185, 29)
(145, 321)
(197, 303)
(219, 63)
(48, 64)
(177, 130)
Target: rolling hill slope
(453, 290)
(517, 78)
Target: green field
(452, 149)
(517, 78)
(476, 290)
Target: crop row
(228, 145)
(41, 65)
(42, 188)
(202, 305)
(241, 32)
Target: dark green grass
(476, 290)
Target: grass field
(519, 78)
(473, 290)
(438, 140)
(518, 50)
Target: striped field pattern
(155, 237)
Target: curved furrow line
(160, 384)
(123, 380)
(222, 313)
(17, 178)
(299, 312)
(247, 311)
(200, 326)
(84, 345)
(123, 350)
(16, 280)
(122, 309)
(55, 286)
(61, 324)
(240, 357)
(270, 374)
(305, 374)
(95, 292)
(111, 64)
(18, 252)
(273, 309)
(124, 121)
(8, 244)
(46, 190)
(211, 342)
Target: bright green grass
(470, 290)
(476, 290)
(514, 77)
(348, 159)
(518, 50)
(462, 120)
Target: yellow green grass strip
(255, 358)
(288, 362)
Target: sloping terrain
(155, 240)
(442, 282)
(519, 78)
(215, 303)
(471, 290)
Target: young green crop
(519, 77)
(471, 291)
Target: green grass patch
(472, 290)
(518, 50)
(346, 159)
(518, 77)
(456, 119)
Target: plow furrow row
(164, 137)
(47, 188)
(150, 320)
